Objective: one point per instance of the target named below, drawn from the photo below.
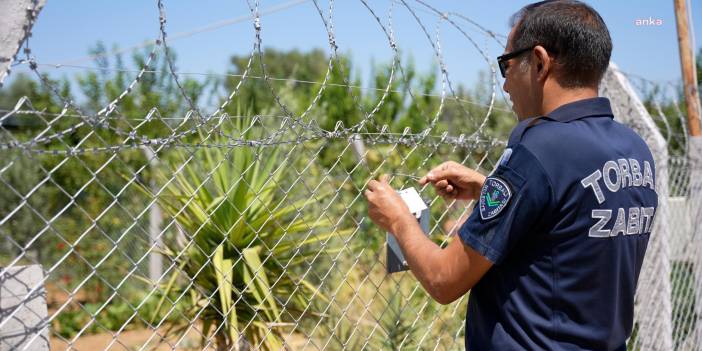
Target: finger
(440, 188)
(442, 183)
(449, 188)
(443, 171)
(373, 184)
(367, 193)
(431, 175)
(423, 180)
(447, 195)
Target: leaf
(206, 325)
(167, 290)
(299, 226)
(313, 239)
(257, 281)
(314, 289)
(280, 213)
(223, 273)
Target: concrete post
(23, 300)
(155, 219)
(16, 22)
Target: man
(553, 248)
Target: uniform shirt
(565, 218)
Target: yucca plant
(243, 240)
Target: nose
(504, 86)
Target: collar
(597, 106)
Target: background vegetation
(84, 217)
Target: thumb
(440, 173)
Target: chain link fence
(685, 254)
(157, 224)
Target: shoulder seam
(543, 170)
(527, 124)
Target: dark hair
(573, 32)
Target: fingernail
(430, 175)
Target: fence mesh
(162, 224)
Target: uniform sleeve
(513, 202)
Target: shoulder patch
(494, 197)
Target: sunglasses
(503, 61)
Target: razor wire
(339, 297)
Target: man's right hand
(453, 180)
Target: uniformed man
(553, 248)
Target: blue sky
(66, 29)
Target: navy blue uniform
(565, 218)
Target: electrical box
(395, 261)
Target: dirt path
(128, 340)
(145, 339)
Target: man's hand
(385, 206)
(446, 274)
(453, 180)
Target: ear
(544, 63)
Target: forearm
(424, 258)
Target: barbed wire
(211, 122)
(411, 92)
(96, 120)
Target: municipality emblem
(493, 197)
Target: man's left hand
(385, 206)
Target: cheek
(521, 86)
(517, 95)
(518, 100)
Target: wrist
(480, 182)
(400, 226)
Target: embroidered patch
(493, 197)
